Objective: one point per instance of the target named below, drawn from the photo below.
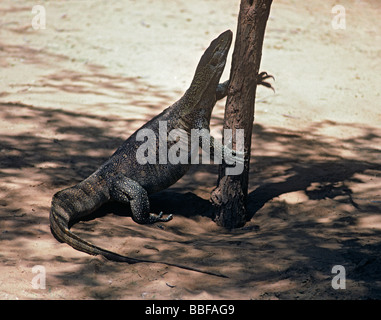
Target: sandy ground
(71, 93)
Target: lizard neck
(197, 114)
(198, 101)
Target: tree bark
(230, 195)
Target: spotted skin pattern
(122, 178)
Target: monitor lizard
(122, 178)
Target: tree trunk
(230, 195)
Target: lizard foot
(261, 80)
(234, 156)
(159, 217)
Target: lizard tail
(60, 229)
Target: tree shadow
(44, 149)
(295, 164)
(328, 176)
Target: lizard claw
(237, 157)
(261, 80)
(239, 160)
(159, 218)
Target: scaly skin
(122, 178)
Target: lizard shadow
(168, 201)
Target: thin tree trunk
(229, 197)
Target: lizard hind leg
(127, 190)
(159, 217)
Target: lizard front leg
(218, 151)
(127, 190)
(261, 80)
(229, 155)
(222, 88)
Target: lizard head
(214, 58)
(210, 67)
